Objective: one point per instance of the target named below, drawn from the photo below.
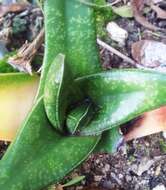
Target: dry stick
(124, 57)
(23, 59)
(114, 51)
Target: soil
(139, 164)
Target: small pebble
(159, 187)
(107, 167)
(158, 169)
(117, 33)
(120, 176)
(128, 178)
(97, 178)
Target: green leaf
(122, 95)
(40, 155)
(56, 92)
(74, 181)
(59, 92)
(70, 27)
(103, 14)
(79, 116)
(123, 11)
(110, 141)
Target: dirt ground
(139, 164)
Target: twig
(23, 59)
(127, 59)
(116, 52)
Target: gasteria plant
(78, 108)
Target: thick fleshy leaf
(122, 95)
(60, 91)
(40, 154)
(79, 116)
(71, 31)
(56, 92)
(110, 141)
(17, 93)
(54, 36)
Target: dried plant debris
(160, 12)
(17, 27)
(137, 6)
(22, 61)
(14, 8)
(150, 53)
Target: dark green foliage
(78, 108)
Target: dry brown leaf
(149, 53)
(137, 6)
(15, 7)
(150, 123)
(160, 12)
